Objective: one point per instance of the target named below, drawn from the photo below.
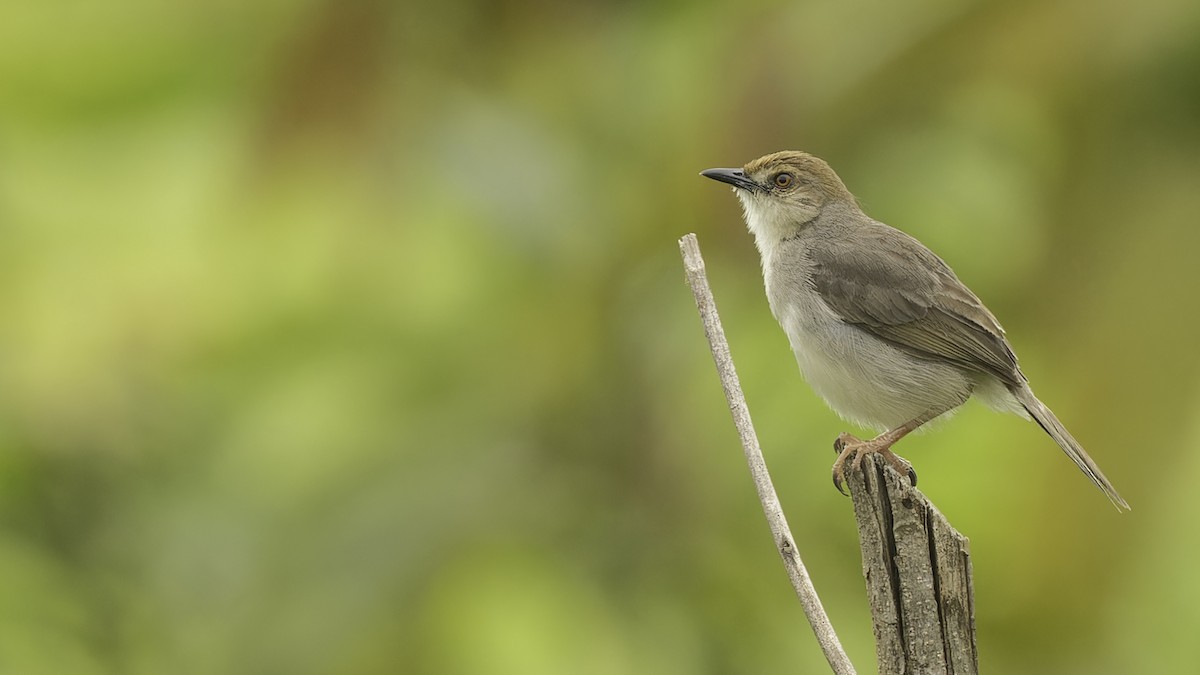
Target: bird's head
(782, 192)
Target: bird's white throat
(766, 219)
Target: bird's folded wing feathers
(901, 292)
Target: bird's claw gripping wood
(848, 446)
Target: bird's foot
(848, 446)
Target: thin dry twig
(784, 542)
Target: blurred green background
(352, 337)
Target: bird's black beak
(735, 177)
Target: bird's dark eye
(783, 179)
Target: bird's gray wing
(890, 285)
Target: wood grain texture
(918, 574)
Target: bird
(881, 327)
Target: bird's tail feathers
(1047, 421)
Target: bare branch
(784, 542)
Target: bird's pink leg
(848, 446)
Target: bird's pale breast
(864, 379)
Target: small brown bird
(882, 328)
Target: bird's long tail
(1046, 419)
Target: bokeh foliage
(351, 337)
